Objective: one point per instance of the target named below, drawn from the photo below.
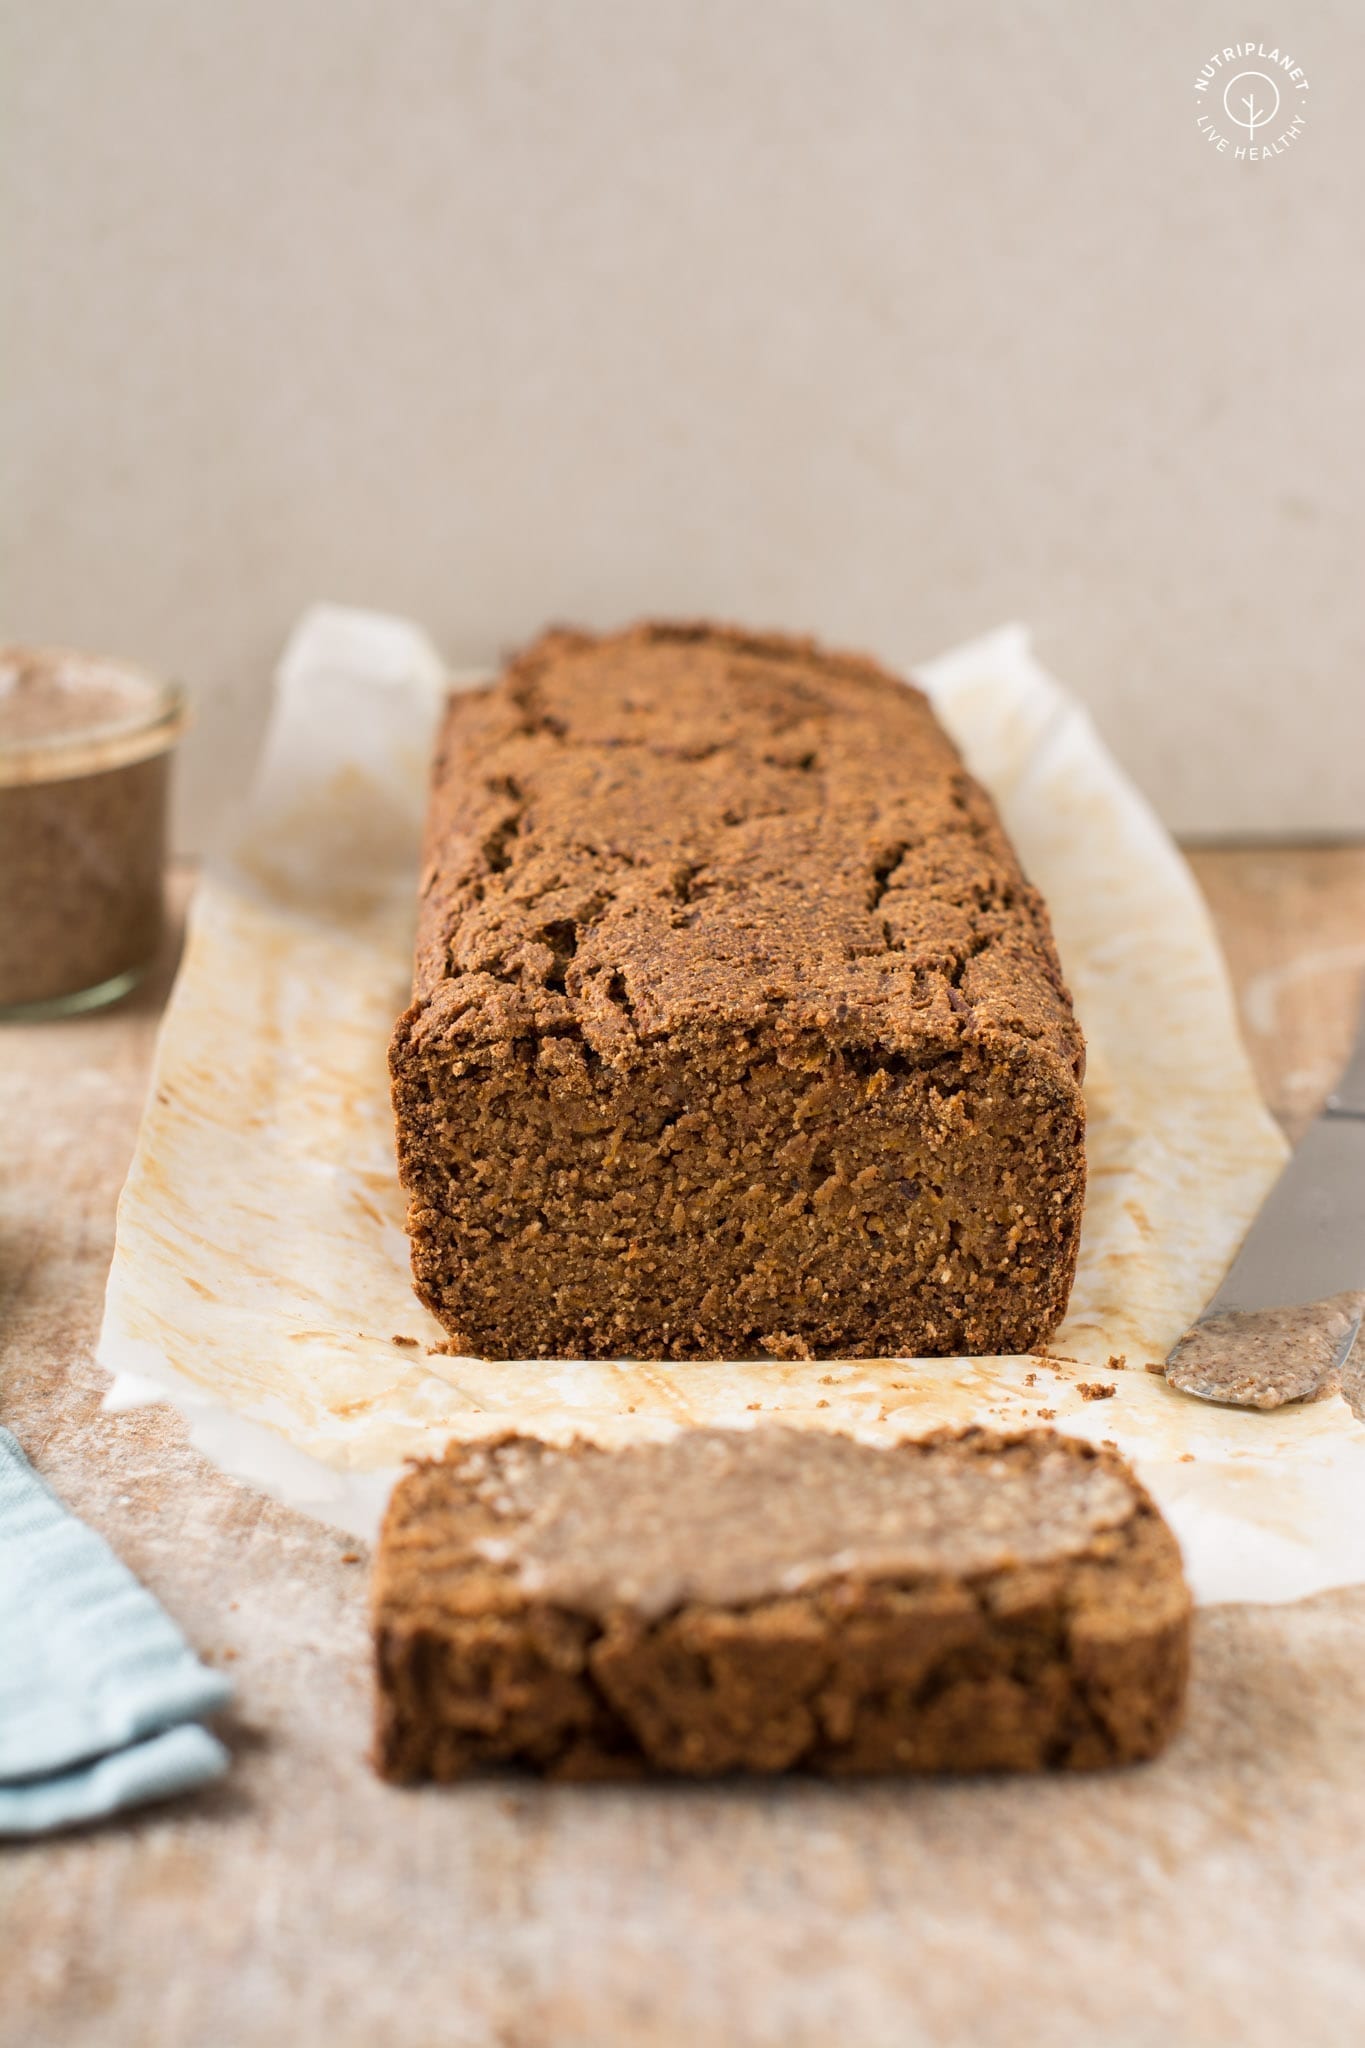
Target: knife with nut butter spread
(1284, 1324)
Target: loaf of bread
(772, 1599)
(736, 1028)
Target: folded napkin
(99, 1691)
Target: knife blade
(1283, 1323)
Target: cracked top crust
(682, 826)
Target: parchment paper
(260, 1275)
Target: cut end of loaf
(745, 1195)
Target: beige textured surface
(882, 320)
(1212, 1900)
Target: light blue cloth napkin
(99, 1692)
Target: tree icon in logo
(1250, 100)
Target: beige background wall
(887, 319)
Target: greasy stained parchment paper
(260, 1276)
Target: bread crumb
(785, 1344)
(1095, 1390)
(350, 1557)
(753, 1404)
(827, 1379)
(1118, 1364)
(1030, 1379)
(1046, 1414)
(822, 1404)
(1185, 1458)
(409, 1342)
(1154, 1365)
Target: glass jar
(85, 750)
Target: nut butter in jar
(85, 748)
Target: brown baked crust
(1075, 1660)
(736, 1027)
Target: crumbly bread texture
(736, 1028)
(776, 1599)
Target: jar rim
(152, 721)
